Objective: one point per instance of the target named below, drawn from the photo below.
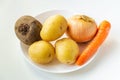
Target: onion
(81, 28)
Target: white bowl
(55, 66)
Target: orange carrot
(90, 50)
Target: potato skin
(27, 29)
(53, 28)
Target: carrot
(90, 50)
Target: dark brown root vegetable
(28, 29)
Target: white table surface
(106, 66)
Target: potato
(41, 52)
(67, 50)
(53, 28)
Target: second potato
(67, 50)
(53, 28)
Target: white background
(106, 66)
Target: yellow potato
(41, 52)
(67, 50)
(53, 28)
